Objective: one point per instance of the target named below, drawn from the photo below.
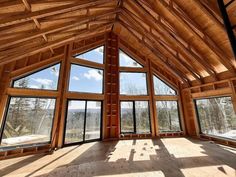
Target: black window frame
(134, 118)
(3, 123)
(198, 118)
(35, 71)
(179, 117)
(65, 123)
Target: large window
(46, 79)
(168, 116)
(86, 79)
(95, 55)
(217, 117)
(135, 117)
(161, 88)
(83, 121)
(28, 121)
(133, 83)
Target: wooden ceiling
(185, 37)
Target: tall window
(135, 117)
(28, 121)
(217, 117)
(83, 121)
(46, 79)
(168, 116)
(166, 106)
(84, 117)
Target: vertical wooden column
(191, 123)
(233, 87)
(111, 122)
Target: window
(162, 88)
(217, 117)
(28, 121)
(83, 121)
(135, 117)
(133, 83)
(127, 61)
(95, 55)
(46, 79)
(86, 79)
(168, 116)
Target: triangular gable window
(94, 55)
(161, 88)
(46, 79)
(127, 61)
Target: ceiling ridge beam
(48, 12)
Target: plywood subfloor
(168, 157)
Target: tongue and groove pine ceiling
(186, 37)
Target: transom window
(126, 61)
(161, 88)
(217, 117)
(133, 83)
(46, 79)
(95, 55)
(85, 79)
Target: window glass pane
(133, 83)
(28, 121)
(217, 117)
(142, 117)
(127, 117)
(46, 79)
(93, 120)
(95, 55)
(86, 79)
(168, 117)
(127, 61)
(162, 88)
(75, 122)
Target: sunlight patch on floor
(133, 150)
(141, 174)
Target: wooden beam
(157, 54)
(69, 25)
(138, 27)
(82, 35)
(162, 7)
(31, 92)
(167, 34)
(52, 11)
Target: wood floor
(168, 157)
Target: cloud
(46, 82)
(93, 74)
(75, 78)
